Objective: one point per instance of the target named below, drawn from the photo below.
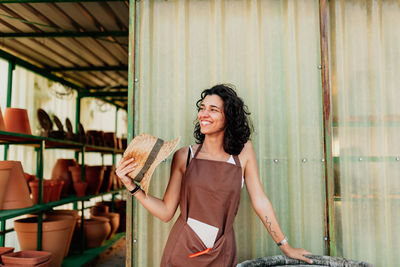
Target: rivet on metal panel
(304, 160)
(360, 159)
(135, 240)
(325, 238)
(322, 160)
(397, 158)
(136, 80)
(276, 160)
(320, 67)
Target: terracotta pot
(94, 176)
(120, 208)
(2, 125)
(29, 177)
(5, 250)
(114, 221)
(60, 172)
(108, 179)
(57, 186)
(47, 191)
(54, 236)
(75, 173)
(16, 120)
(99, 209)
(26, 258)
(4, 177)
(110, 140)
(96, 231)
(16, 193)
(80, 188)
(65, 214)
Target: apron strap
(198, 150)
(237, 161)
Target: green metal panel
(63, 34)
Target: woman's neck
(213, 145)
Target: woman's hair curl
(238, 127)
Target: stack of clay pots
(27, 258)
(16, 120)
(93, 177)
(14, 191)
(51, 190)
(103, 212)
(56, 231)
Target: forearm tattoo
(269, 228)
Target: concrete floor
(113, 256)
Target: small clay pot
(16, 120)
(2, 125)
(26, 258)
(94, 176)
(114, 221)
(80, 188)
(29, 177)
(60, 172)
(57, 186)
(15, 194)
(47, 191)
(99, 209)
(96, 231)
(108, 179)
(75, 173)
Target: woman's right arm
(164, 208)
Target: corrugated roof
(84, 42)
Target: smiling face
(211, 115)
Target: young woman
(206, 182)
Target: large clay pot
(108, 178)
(60, 172)
(114, 221)
(60, 214)
(94, 176)
(54, 236)
(75, 173)
(120, 208)
(4, 177)
(16, 120)
(96, 231)
(16, 194)
(27, 258)
(2, 125)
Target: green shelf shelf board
(8, 214)
(90, 254)
(17, 138)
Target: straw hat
(148, 151)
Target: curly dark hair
(238, 126)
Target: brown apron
(210, 193)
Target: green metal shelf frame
(89, 254)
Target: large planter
(317, 261)
(113, 220)
(55, 233)
(16, 194)
(16, 120)
(120, 208)
(60, 172)
(5, 250)
(65, 214)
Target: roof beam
(63, 34)
(90, 68)
(53, 1)
(103, 94)
(38, 70)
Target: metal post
(132, 75)
(39, 172)
(330, 244)
(3, 234)
(11, 68)
(77, 119)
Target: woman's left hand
(296, 253)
